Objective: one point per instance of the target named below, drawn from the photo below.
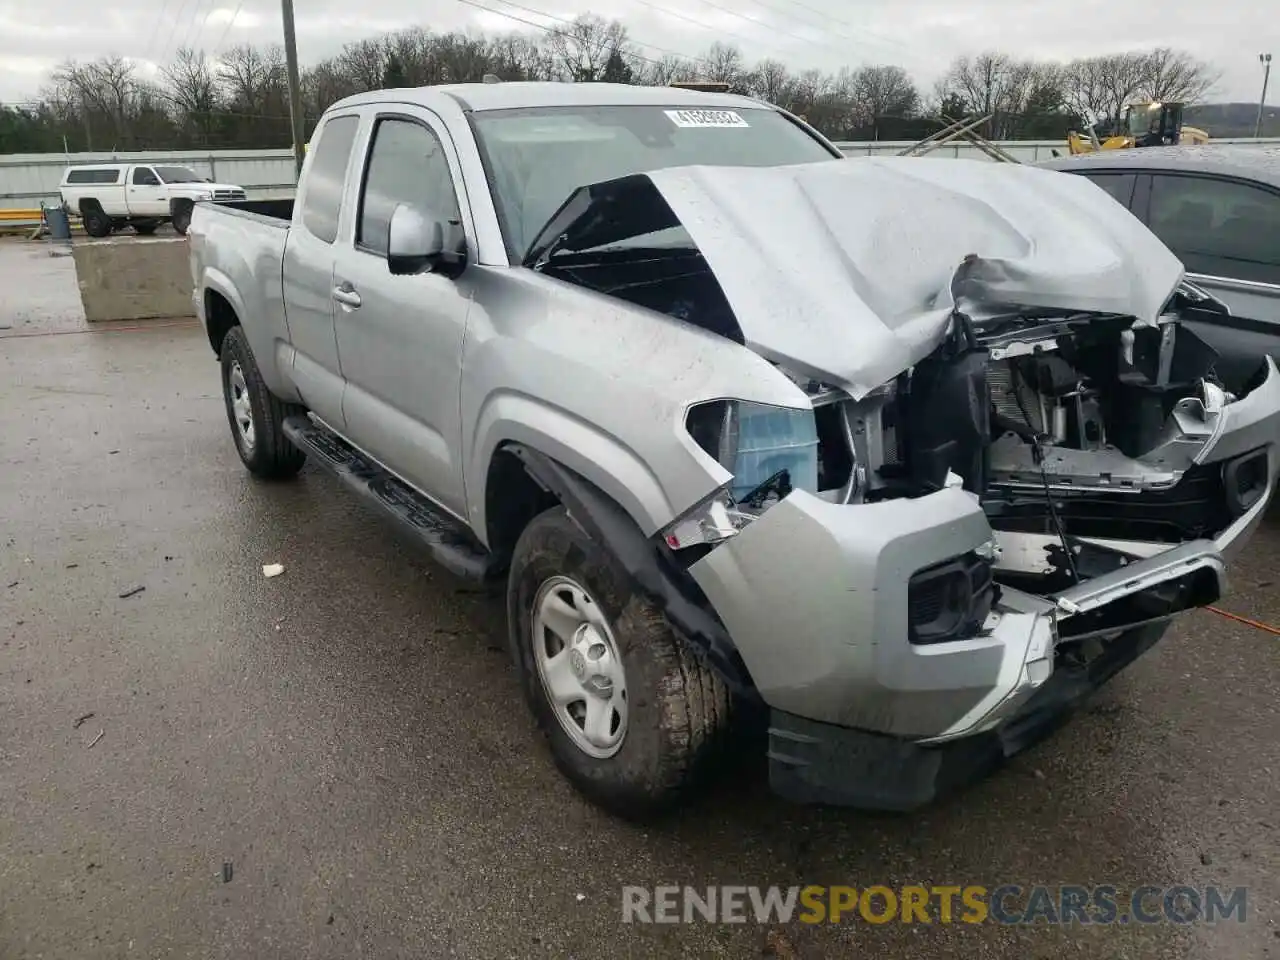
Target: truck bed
(276, 211)
(237, 254)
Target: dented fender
(648, 563)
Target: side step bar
(450, 544)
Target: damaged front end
(1007, 476)
(978, 545)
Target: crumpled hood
(848, 271)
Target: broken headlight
(762, 446)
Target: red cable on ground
(1265, 627)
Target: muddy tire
(255, 414)
(182, 216)
(666, 729)
(96, 222)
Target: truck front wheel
(255, 414)
(632, 717)
(182, 216)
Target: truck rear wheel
(96, 222)
(255, 414)
(632, 717)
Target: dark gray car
(1218, 209)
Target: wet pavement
(349, 738)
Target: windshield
(538, 157)
(1143, 119)
(178, 175)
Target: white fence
(27, 179)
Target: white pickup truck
(109, 196)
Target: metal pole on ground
(1265, 60)
(296, 120)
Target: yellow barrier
(22, 219)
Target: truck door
(147, 196)
(1227, 233)
(308, 268)
(400, 337)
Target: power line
(694, 21)
(890, 41)
(768, 26)
(197, 24)
(155, 30)
(557, 31)
(173, 27)
(173, 33)
(227, 29)
(552, 16)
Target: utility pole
(296, 120)
(1265, 60)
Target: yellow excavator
(1146, 124)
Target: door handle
(346, 295)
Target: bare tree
(240, 99)
(991, 84)
(768, 81)
(1085, 88)
(1119, 80)
(365, 63)
(879, 92)
(515, 57)
(252, 77)
(462, 57)
(106, 93)
(192, 89)
(583, 48)
(724, 63)
(1176, 75)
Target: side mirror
(420, 242)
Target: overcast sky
(921, 35)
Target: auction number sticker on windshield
(706, 118)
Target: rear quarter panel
(239, 256)
(111, 196)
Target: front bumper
(814, 596)
(811, 762)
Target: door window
(1218, 227)
(326, 177)
(407, 164)
(145, 177)
(1119, 185)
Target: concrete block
(134, 278)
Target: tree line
(239, 98)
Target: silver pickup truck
(906, 456)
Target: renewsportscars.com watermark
(1005, 904)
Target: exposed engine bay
(1080, 433)
(1085, 433)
